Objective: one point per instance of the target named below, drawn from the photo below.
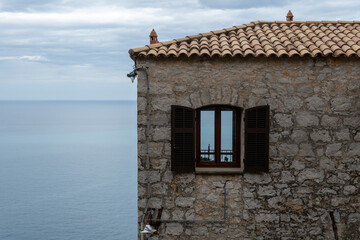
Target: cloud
(103, 15)
(241, 4)
(26, 58)
(34, 58)
(82, 66)
(89, 40)
(66, 5)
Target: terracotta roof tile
(264, 38)
(204, 51)
(162, 52)
(215, 52)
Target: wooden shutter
(257, 139)
(182, 139)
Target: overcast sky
(77, 49)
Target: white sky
(76, 49)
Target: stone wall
(312, 188)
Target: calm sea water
(68, 170)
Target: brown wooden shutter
(182, 139)
(257, 139)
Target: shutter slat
(257, 139)
(182, 139)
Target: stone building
(251, 132)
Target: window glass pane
(226, 136)
(207, 135)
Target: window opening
(227, 136)
(207, 137)
(218, 136)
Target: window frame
(237, 117)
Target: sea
(68, 170)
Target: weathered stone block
(354, 218)
(162, 134)
(159, 188)
(201, 231)
(349, 189)
(299, 136)
(320, 135)
(284, 80)
(180, 88)
(167, 150)
(251, 203)
(327, 164)
(162, 103)
(306, 119)
(333, 150)
(306, 150)
(338, 201)
(190, 214)
(185, 178)
(315, 103)
(141, 104)
(195, 100)
(287, 177)
(167, 177)
(302, 79)
(354, 149)
(174, 229)
(297, 165)
(155, 203)
(294, 203)
(274, 201)
(177, 214)
(343, 135)
(329, 121)
(266, 217)
(357, 136)
(340, 103)
(292, 103)
(160, 88)
(260, 91)
(287, 150)
(154, 176)
(315, 231)
(212, 197)
(311, 174)
(262, 178)
(284, 120)
(352, 121)
(159, 119)
(185, 201)
(334, 180)
(159, 163)
(266, 191)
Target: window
(211, 137)
(218, 136)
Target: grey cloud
(36, 58)
(48, 5)
(241, 4)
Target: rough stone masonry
(312, 188)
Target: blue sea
(68, 170)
